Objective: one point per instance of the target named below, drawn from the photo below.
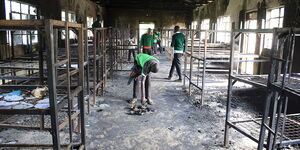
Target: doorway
(143, 27)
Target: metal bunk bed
(64, 83)
(282, 129)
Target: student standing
(178, 42)
(97, 23)
(156, 37)
(131, 42)
(146, 42)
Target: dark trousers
(131, 51)
(147, 51)
(147, 87)
(176, 63)
(160, 48)
(155, 47)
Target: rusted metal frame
(249, 82)
(68, 74)
(204, 68)
(229, 124)
(229, 92)
(87, 68)
(33, 24)
(276, 101)
(81, 102)
(198, 64)
(292, 56)
(185, 61)
(32, 145)
(270, 95)
(16, 126)
(94, 65)
(191, 64)
(50, 46)
(68, 81)
(98, 61)
(111, 63)
(68, 120)
(52, 83)
(103, 64)
(287, 64)
(41, 47)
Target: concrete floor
(175, 123)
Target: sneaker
(144, 102)
(150, 102)
(179, 80)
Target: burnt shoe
(133, 106)
(150, 102)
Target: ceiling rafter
(153, 4)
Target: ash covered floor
(174, 124)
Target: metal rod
(52, 83)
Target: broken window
(204, 26)
(249, 42)
(194, 25)
(223, 24)
(16, 10)
(89, 22)
(274, 19)
(71, 18)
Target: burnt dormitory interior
(76, 74)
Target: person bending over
(144, 64)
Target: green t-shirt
(96, 24)
(146, 40)
(142, 59)
(156, 36)
(178, 41)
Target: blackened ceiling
(153, 4)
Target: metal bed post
(185, 59)
(98, 53)
(94, 65)
(81, 84)
(68, 64)
(270, 95)
(229, 91)
(191, 63)
(86, 67)
(41, 57)
(204, 68)
(52, 83)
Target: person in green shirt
(144, 64)
(146, 42)
(156, 40)
(97, 23)
(178, 42)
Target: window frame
(26, 36)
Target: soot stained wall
(161, 18)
